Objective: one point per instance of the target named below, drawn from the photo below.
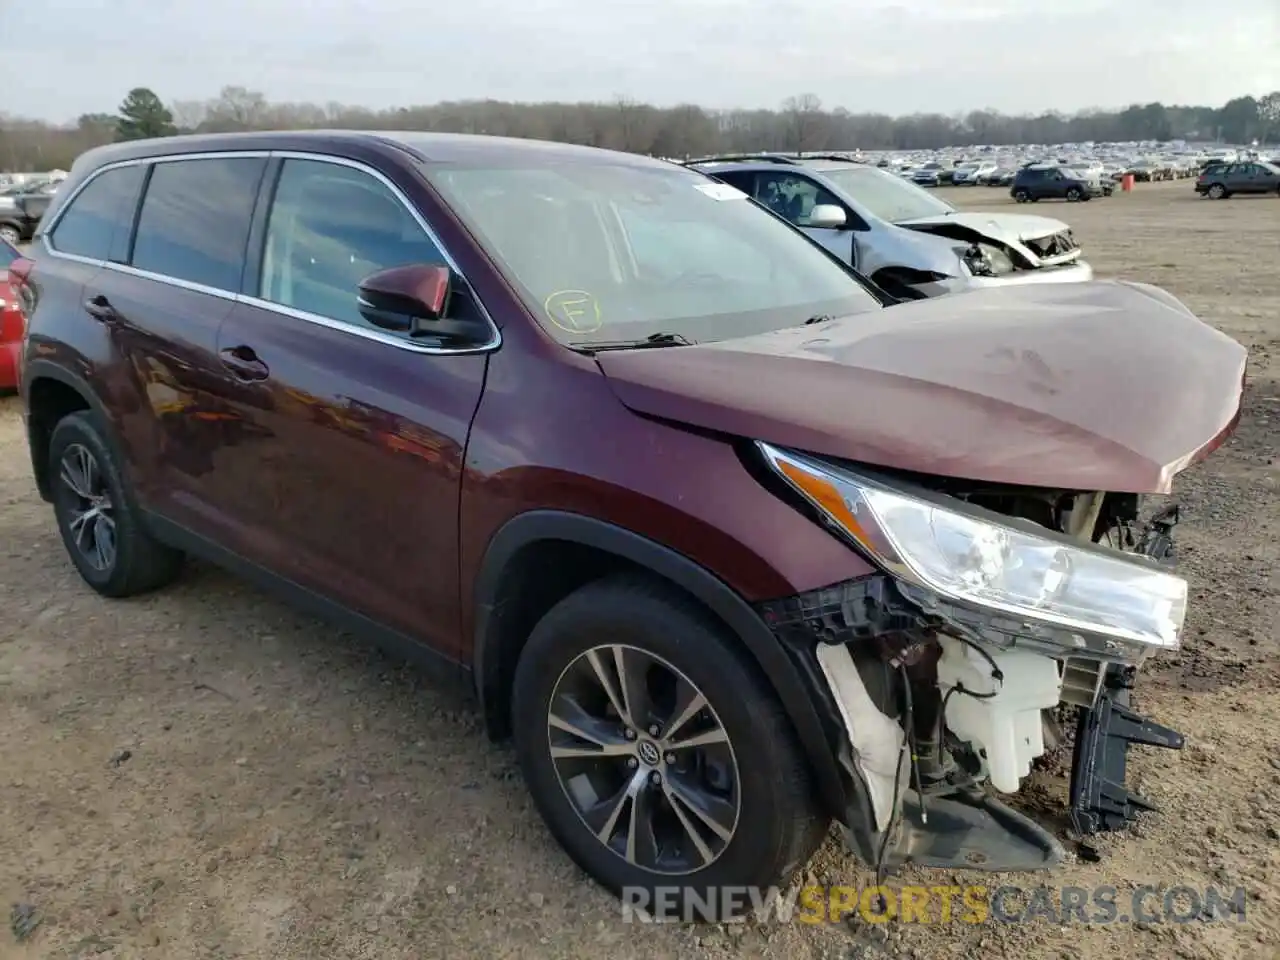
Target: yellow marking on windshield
(574, 311)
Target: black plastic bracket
(1100, 801)
(971, 830)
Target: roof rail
(842, 157)
(730, 157)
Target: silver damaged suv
(909, 242)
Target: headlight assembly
(1068, 595)
(987, 260)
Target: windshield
(886, 196)
(609, 252)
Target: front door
(793, 196)
(349, 481)
(1248, 178)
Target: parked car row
(996, 166)
(21, 207)
(713, 526)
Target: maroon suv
(731, 544)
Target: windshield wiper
(653, 340)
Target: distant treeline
(800, 123)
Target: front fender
(776, 662)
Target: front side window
(330, 227)
(195, 218)
(605, 251)
(885, 196)
(96, 223)
(792, 197)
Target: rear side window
(195, 220)
(96, 222)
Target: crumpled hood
(1092, 386)
(1011, 229)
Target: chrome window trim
(377, 336)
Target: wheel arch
(50, 392)
(502, 621)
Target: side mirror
(410, 299)
(826, 216)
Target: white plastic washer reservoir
(1007, 726)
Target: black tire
(1021, 196)
(1074, 195)
(138, 562)
(1217, 191)
(777, 825)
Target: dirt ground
(205, 773)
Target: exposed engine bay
(941, 700)
(995, 245)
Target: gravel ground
(205, 773)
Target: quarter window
(330, 227)
(97, 221)
(195, 220)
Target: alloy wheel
(644, 760)
(11, 235)
(89, 511)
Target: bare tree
(1269, 114)
(806, 122)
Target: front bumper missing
(966, 826)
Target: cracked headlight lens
(987, 260)
(964, 554)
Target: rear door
(92, 229)
(347, 475)
(161, 302)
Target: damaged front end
(993, 611)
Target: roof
(428, 147)
(773, 162)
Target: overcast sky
(66, 57)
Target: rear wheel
(10, 234)
(659, 757)
(1218, 192)
(100, 527)
(1021, 196)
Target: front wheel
(10, 234)
(1021, 196)
(658, 756)
(1074, 195)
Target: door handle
(244, 363)
(100, 309)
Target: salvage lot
(205, 773)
